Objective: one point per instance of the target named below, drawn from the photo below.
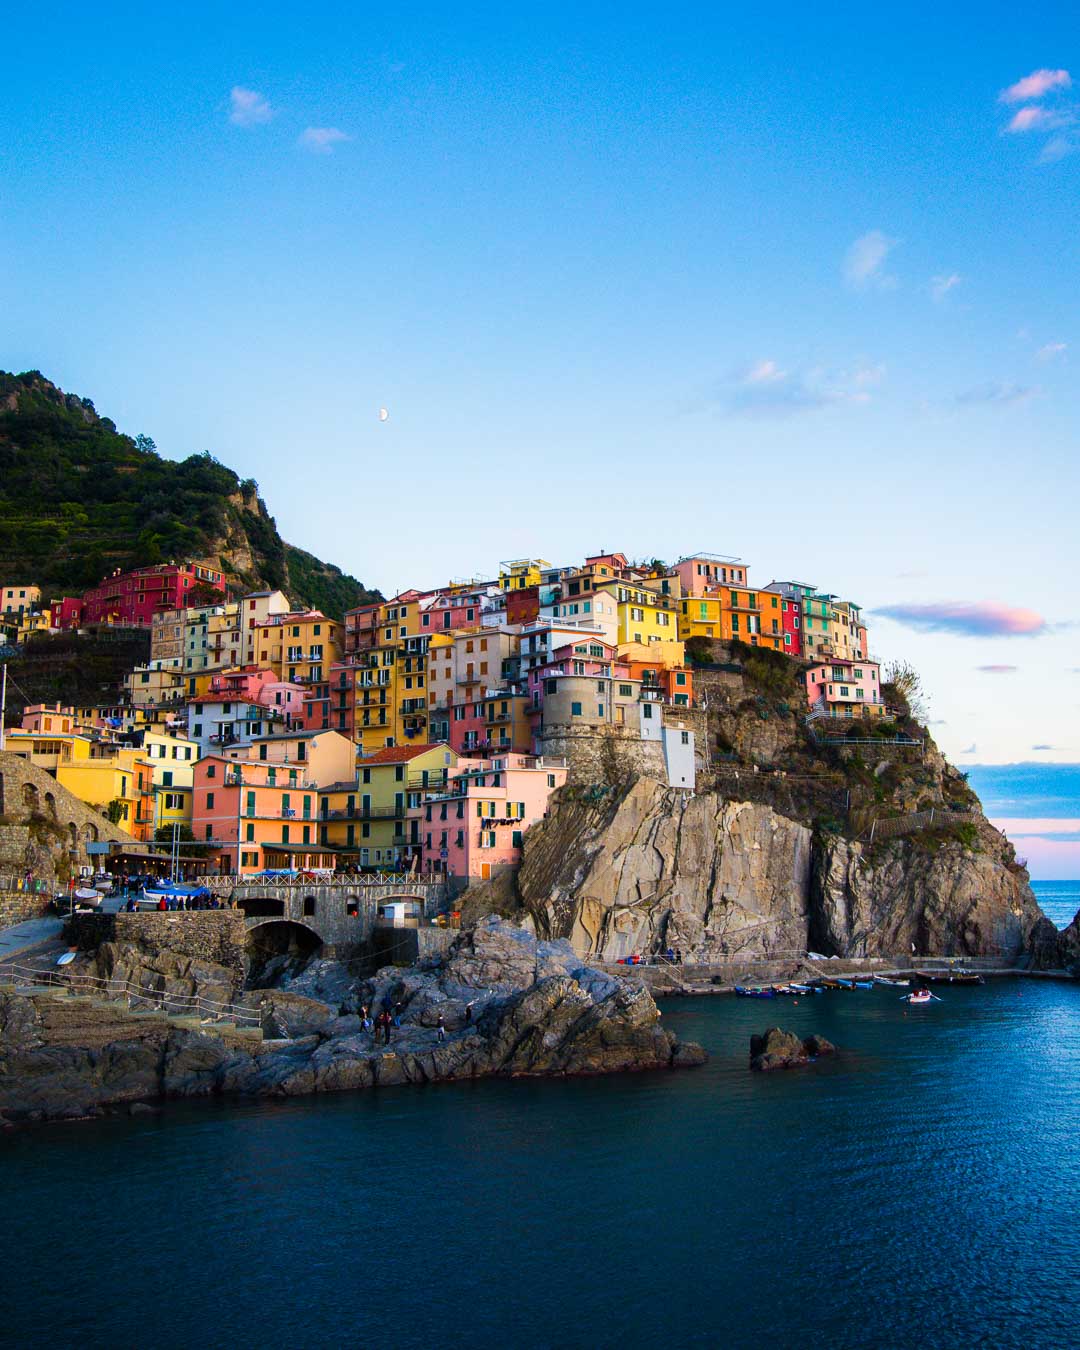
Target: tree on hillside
(906, 686)
(145, 444)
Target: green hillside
(78, 498)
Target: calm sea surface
(922, 1190)
(1059, 900)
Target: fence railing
(886, 827)
(136, 996)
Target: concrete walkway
(31, 933)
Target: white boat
(103, 883)
(920, 996)
(887, 979)
(87, 896)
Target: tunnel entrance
(278, 951)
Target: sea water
(920, 1190)
(1059, 900)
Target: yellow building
(154, 684)
(670, 654)
(731, 613)
(34, 622)
(646, 615)
(299, 647)
(391, 695)
(173, 760)
(520, 573)
(375, 817)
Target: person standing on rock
(440, 1029)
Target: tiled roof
(399, 754)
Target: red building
(67, 613)
(791, 623)
(131, 599)
(523, 606)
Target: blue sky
(779, 283)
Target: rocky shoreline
(499, 1003)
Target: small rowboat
(864, 984)
(920, 996)
(885, 979)
(829, 984)
(744, 991)
(806, 989)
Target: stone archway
(278, 947)
(262, 906)
(50, 804)
(31, 799)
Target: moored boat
(173, 893)
(890, 980)
(920, 996)
(754, 991)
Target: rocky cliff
(857, 841)
(508, 1005)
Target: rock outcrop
(654, 868)
(950, 899)
(508, 1005)
(779, 1049)
(647, 868)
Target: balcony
(363, 813)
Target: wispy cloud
(998, 670)
(1036, 118)
(1042, 747)
(1035, 85)
(248, 108)
(864, 262)
(765, 389)
(995, 394)
(972, 749)
(1057, 149)
(321, 140)
(967, 618)
(940, 286)
(1051, 351)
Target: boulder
(779, 1049)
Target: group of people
(389, 1016)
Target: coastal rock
(949, 899)
(648, 868)
(510, 1006)
(655, 868)
(779, 1049)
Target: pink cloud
(1036, 84)
(968, 618)
(1048, 859)
(1034, 118)
(998, 670)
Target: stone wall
(44, 829)
(218, 936)
(604, 754)
(17, 906)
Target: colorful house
(477, 825)
(841, 688)
(257, 815)
(373, 818)
(131, 599)
(700, 573)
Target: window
(626, 691)
(599, 710)
(685, 737)
(575, 709)
(249, 833)
(284, 834)
(515, 838)
(209, 801)
(551, 780)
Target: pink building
(476, 827)
(840, 688)
(701, 573)
(133, 598)
(246, 683)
